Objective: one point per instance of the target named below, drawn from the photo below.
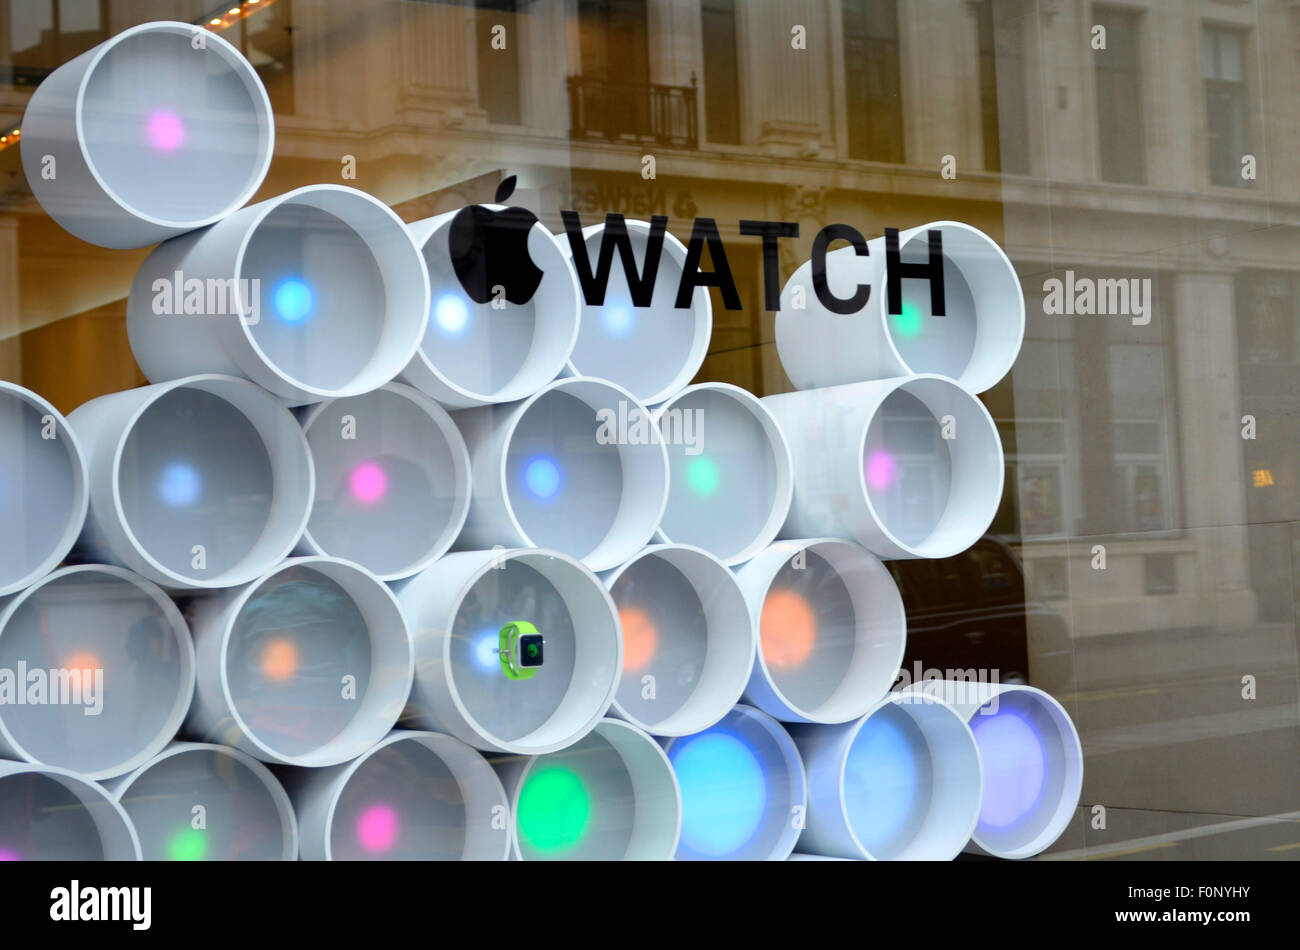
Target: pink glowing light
(369, 482)
(882, 470)
(377, 828)
(6, 854)
(165, 130)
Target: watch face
(530, 650)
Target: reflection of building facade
(1161, 156)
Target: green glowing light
(187, 845)
(554, 809)
(702, 475)
(908, 323)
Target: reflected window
(266, 40)
(1227, 109)
(44, 34)
(1140, 440)
(873, 81)
(1004, 113)
(498, 69)
(613, 98)
(1119, 97)
(721, 71)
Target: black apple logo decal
(490, 249)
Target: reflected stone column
(1209, 420)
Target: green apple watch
(521, 651)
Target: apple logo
(489, 248)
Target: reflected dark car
(968, 612)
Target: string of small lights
(218, 20)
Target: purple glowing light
(377, 828)
(165, 130)
(1015, 767)
(8, 854)
(882, 469)
(368, 482)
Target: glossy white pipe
(148, 135)
(620, 774)
(53, 814)
(43, 487)
(730, 472)
(465, 358)
(844, 483)
(605, 468)
(832, 630)
(411, 796)
(975, 343)
(455, 609)
(651, 351)
(392, 480)
(255, 690)
(688, 639)
(1033, 763)
(237, 525)
(901, 783)
(199, 802)
(314, 294)
(96, 671)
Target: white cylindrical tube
(200, 802)
(505, 347)
(456, 609)
(975, 341)
(43, 488)
(53, 814)
(901, 783)
(314, 294)
(96, 671)
(651, 351)
(309, 665)
(611, 796)
(392, 480)
(579, 467)
(413, 796)
(744, 790)
(908, 467)
(1033, 763)
(831, 630)
(147, 136)
(730, 473)
(199, 483)
(688, 639)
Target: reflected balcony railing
(633, 112)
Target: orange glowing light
(280, 659)
(84, 661)
(1262, 477)
(788, 629)
(639, 638)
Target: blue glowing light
(1015, 767)
(179, 485)
(617, 317)
(451, 313)
(486, 645)
(885, 781)
(542, 476)
(724, 793)
(294, 301)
